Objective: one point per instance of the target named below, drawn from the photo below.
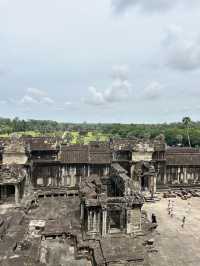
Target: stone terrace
(176, 246)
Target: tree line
(183, 133)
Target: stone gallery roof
(123, 144)
(158, 146)
(74, 154)
(12, 174)
(135, 198)
(94, 153)
(99, 153)
(41, 143)
(182, 156)
(15, 147)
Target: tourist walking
(183, 222)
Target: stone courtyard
(176, 246)
(173, 245)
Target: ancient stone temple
(143, 171)
(79, 161)
(14, 153)
(84, 203)
(43, 162)
(177, 166)
(109, 204)
(12, 182)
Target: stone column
(82, 211)
(192, 176)
(88, 170)
(89, 220)
(104, 223)
(16, 193)
(178, 175)
(185, 175)
(84, 174)
(75, 181)
(128, 221)
(98, 220)
(165, 176)
(121, 221)
(154, 183)
(95, 222)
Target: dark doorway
(10, 192)
(144, 183)
(114, 220)
(7, 193)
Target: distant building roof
(74, 154)
(40, 143)
(94, 153)
(123, 144)
(15, 147)
(182, 156)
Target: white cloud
(36, 92)
(28, 100)
(119, 90)
(182, 49)
(96, 97)
(36, 96)
(47, 100)
(120, 6)
(152, 91)
(120, 72)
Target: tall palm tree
(186, 122)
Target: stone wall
(133, 220)
(12, 158)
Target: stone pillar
(192, 176)
(128, 221)
(16, 193)
(185, 175)
(82, 211)
(89, 220)
(165, 176)
(104, 223)
(88, 170)
(168, 177)
(75, 181)
(121, 221)
(84, 172)
(154, 183)
(95, 222)
(178, 175)
(106, 170)
(98, 220)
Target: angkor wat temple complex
(89, 197)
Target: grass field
(73, 137)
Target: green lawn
(72, 137)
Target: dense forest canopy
(175, 133)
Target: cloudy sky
(100, 61)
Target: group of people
(171, 205)
(171, 208)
